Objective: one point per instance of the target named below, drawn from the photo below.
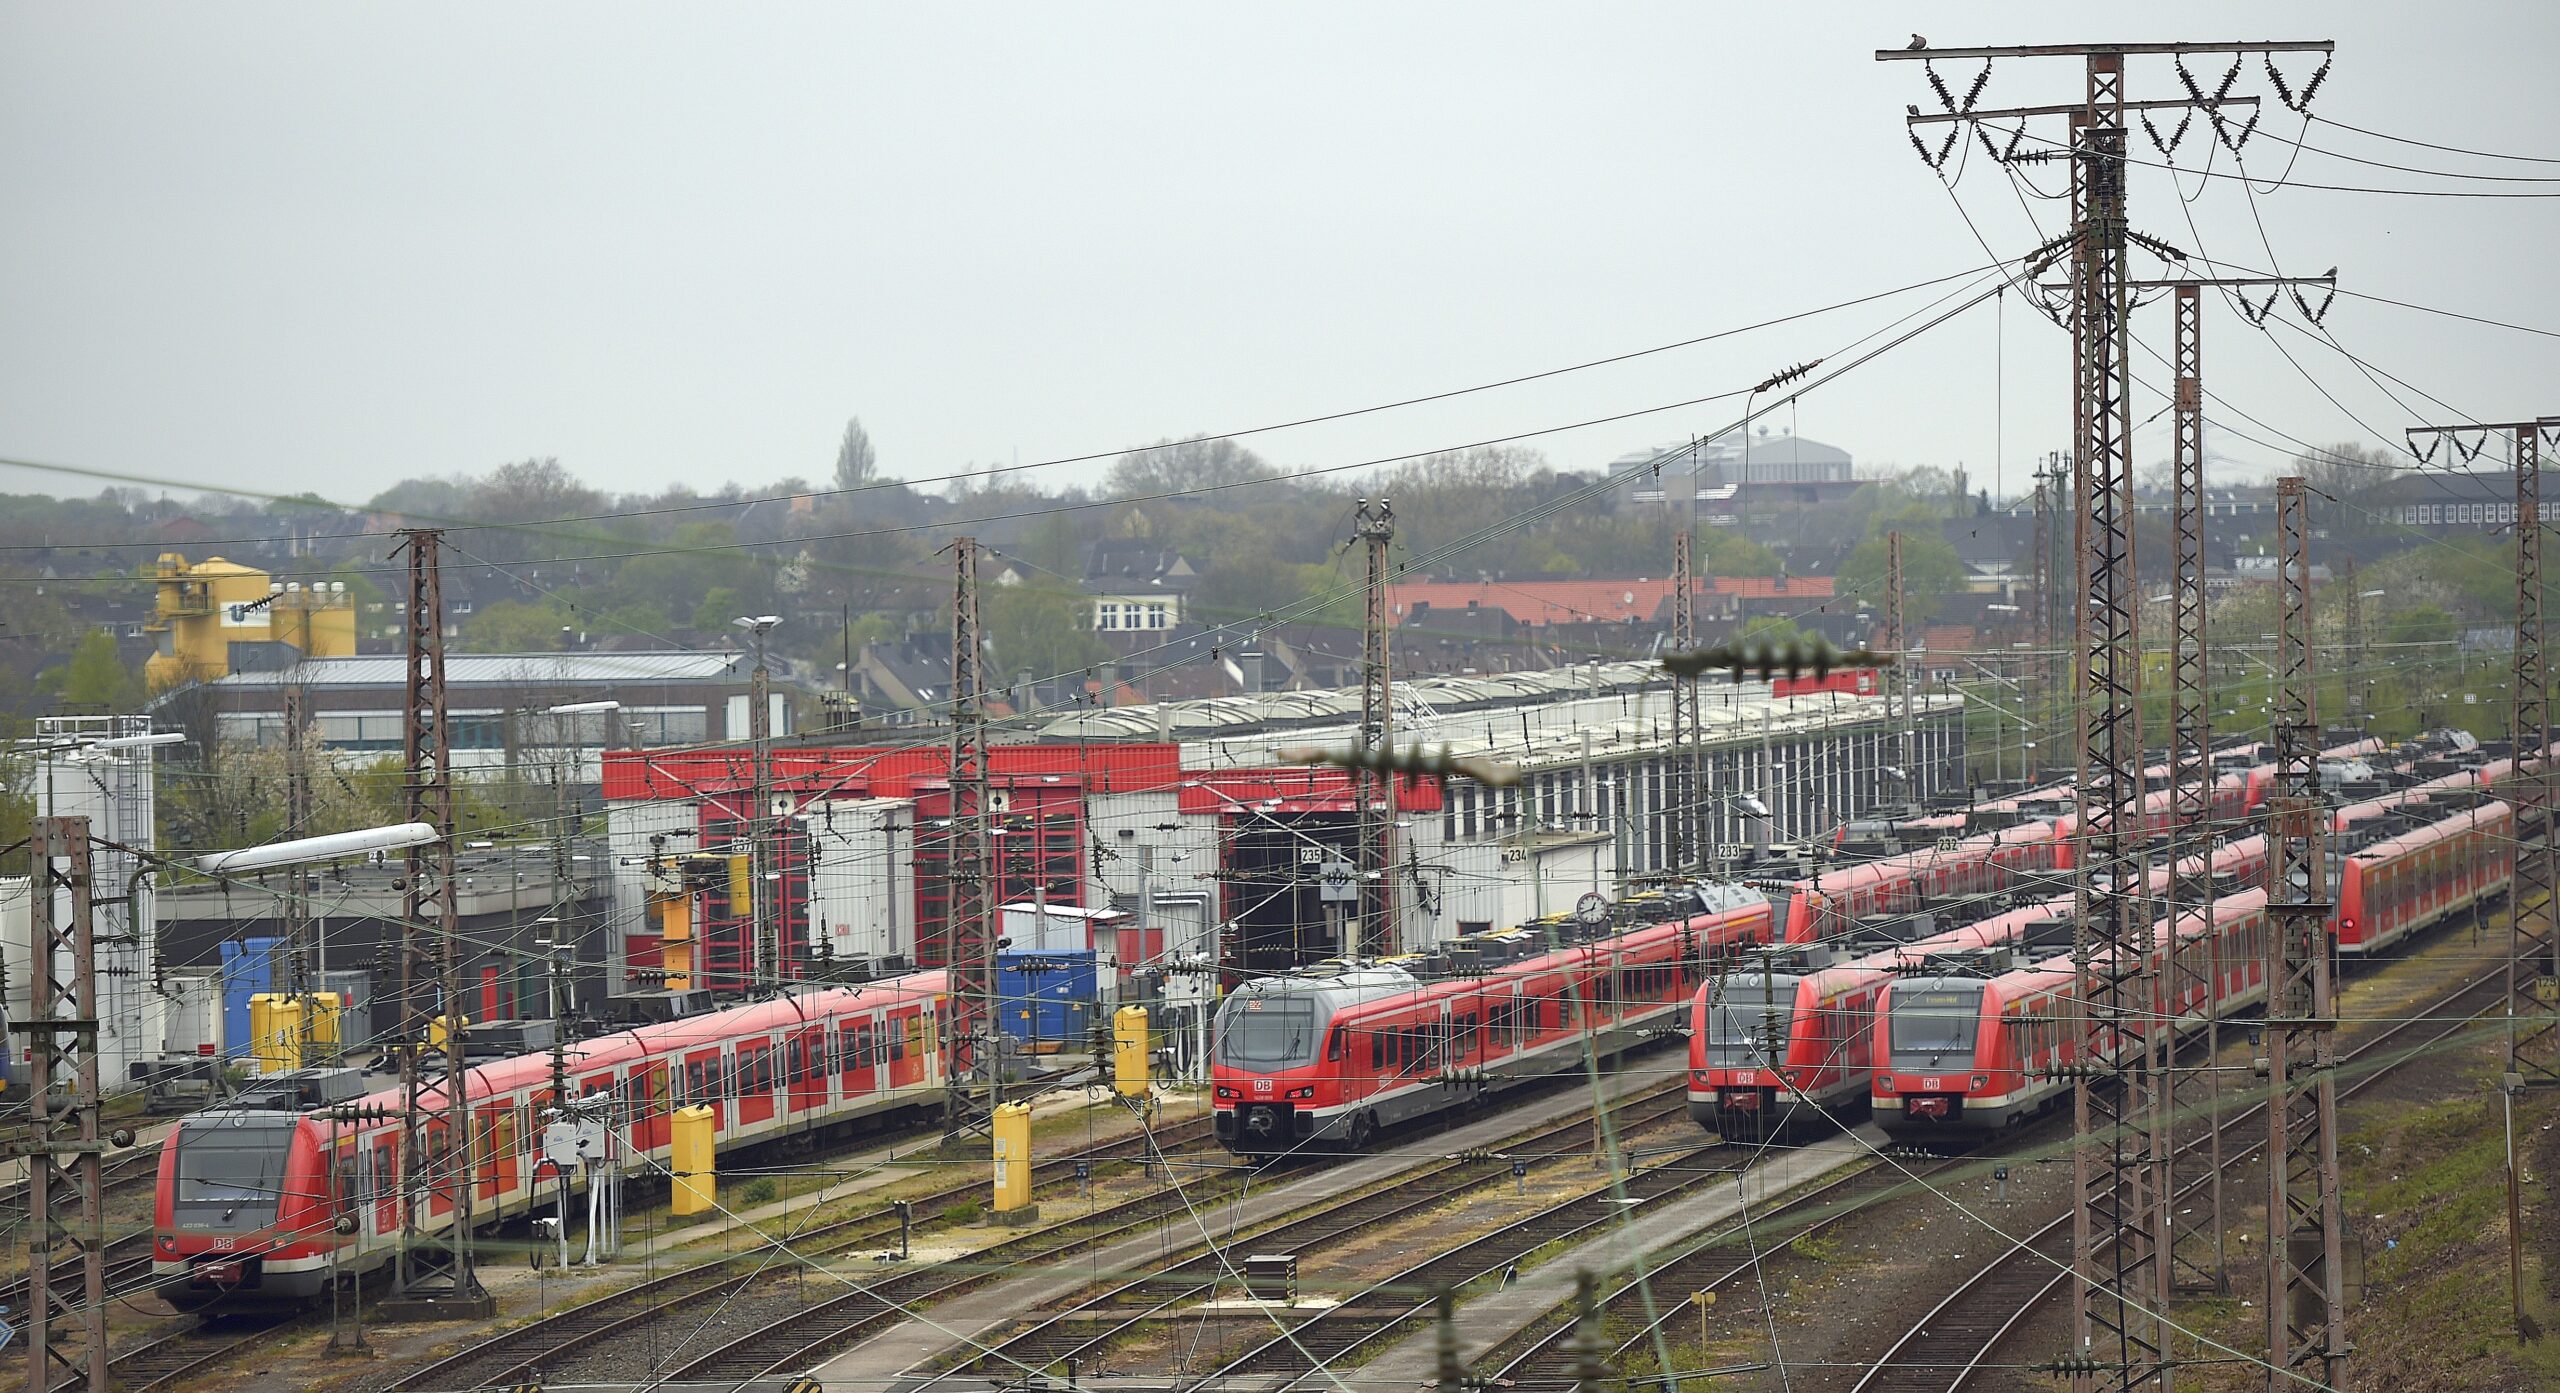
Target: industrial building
(1182, 815)
(500, 705)
(216, 617)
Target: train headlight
(1884, 1083)
(1307, 1092)
(1226, 1092)
(1981, 1081)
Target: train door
(858, 1038)
(495, 1134)
(440, 1169)
(809, 1070)
(644, 1105)
(756, 1070)
(704, 1080)
(386, 1181)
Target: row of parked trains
(256, 1205)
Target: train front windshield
(1268, 1032)
(1934, 1024)
(231, 1169)
(1747, 1026)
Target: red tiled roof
(1536, 601)
(1768, 587)
(1585, 601)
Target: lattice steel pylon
(972, 1084)
(1686, 791)
(1374, 526)
(66, 1223)
(2119, 1225)
(2195, 1095)
(435, 1276)
(2121, 1221)
(1897, 677)
(2532, 1026)
(2306, 1266)
(2048, 679)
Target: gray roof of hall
(525, 669)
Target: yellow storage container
(322, 1014)
(691, 1158)
(1129, 1051)
(275, 1032)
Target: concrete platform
(877, 1362)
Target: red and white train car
(252, 1202)
(1334, 1055)
(2413, 881)
(1973, 1054)
(1822, 1020)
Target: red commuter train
(252, 1202)
(1962, 1054)
(1333, 1055)
(1820, 1020)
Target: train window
(1268, 1032)
(231, 1169)
(1377, 1050)
(1333, 1045)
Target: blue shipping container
(248, 968)
(1047, 1000)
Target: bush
(965, 1212)
(758, 1192)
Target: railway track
(1546, 1361)
(1097, 1323)
(1362, 1323)
(1944, 1349)
(797, 1342)
(527, 1348)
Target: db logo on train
(1262, 1085)
(1928, 1084)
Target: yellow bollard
(690, 1157)
(1013, 1165)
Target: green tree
(1930, 569)
(95, 675)
(1037, 628)
(856, 463)
(1732, 552)
(517, 626)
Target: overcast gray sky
(329, 246)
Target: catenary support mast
(435, 1276)
(971, 1065)
(1374, 526)
(2306, 1309)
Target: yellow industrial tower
(205, 608)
